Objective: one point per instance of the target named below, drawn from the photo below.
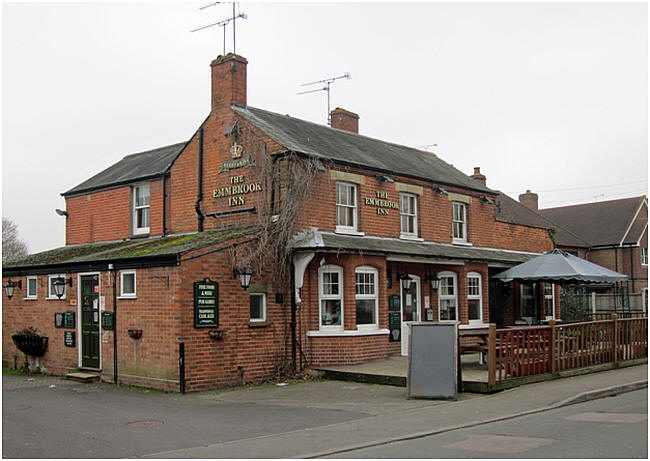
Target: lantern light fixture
(11, 286)
(59, 284)
(406, 281)
(244, 277)
(435, 282)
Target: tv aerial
(326, 87)
(224, 23)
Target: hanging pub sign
(206, 304)
(68, 338)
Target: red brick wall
(106, 215)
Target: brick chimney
(345, 120)
(228, 81)
(529, 200)
(478, 176)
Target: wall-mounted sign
(381, 201)
(68, 319)
(206, 304)
(237, 191)
(69, 338)
(239, 163)
(236, 150)
(393, 303)
(108, 320)
(395, 326)
(58, 320)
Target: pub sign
(206, 304)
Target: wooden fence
(519, 352)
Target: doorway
(89, 296)
(410, 310)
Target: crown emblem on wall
(236, 150)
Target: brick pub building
(383, 235)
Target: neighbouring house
(266, 241)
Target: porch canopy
(558, 266)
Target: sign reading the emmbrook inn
(206, 304)
(382, 203)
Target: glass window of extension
(141, 209)
(408, 215)
(346, 206)
(549, 301)
(447, 297)
(127, 284)
(366, 296)
(330, 288)
(258, 307)
(644, 256)
(474, 301)
(32, 287)
(527, 302)
(459, 222)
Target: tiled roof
(599, 223)
(100, 254)
(133, 167)
(313, 239)
(354, 149)
(511, 211)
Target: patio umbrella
(558, 266)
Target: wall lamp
(442, 191)
(487, 200)
(244, 276)
(406, 281)
(435, 282)
(59, 284)
(61, 212)
(385, 178)
(11, 286)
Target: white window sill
(30, 299)
(127, 297)
(348, 231)
(411, 237)
(361, 332)
(461, 242)
(54, 298)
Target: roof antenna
(327, 82)
(223, 24)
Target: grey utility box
(433, 361)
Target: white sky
(548, 97)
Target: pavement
(407, 421)
(306, 419)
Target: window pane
(473, 286)
(365, 283)
(330, 283)
(447, 309)
(128, 284)
(331, 312)
(548, 307)
(365, 311)
(474, 309)
(257, 307)
(447, 286)
(31, 287)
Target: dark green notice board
(206, 304)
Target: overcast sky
(548, 97)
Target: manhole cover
(152, 422)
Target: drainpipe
(164, 209)
(111, 268)
(631, 272)
(199, 195)
(293, 318)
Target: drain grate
(146, 423)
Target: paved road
(613, 427)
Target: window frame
(264, 317)
(134, 209)
(50, 293)
(463, 223)
(355, 207)
(135, 286)
(330, 268)
(374, 296)
(533, 297)
(479, 297)
(402, 197)
(441, 297)
(27, 280)
(644, 256)
(550, 296)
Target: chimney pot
(345, 120)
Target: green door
(90, 321)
